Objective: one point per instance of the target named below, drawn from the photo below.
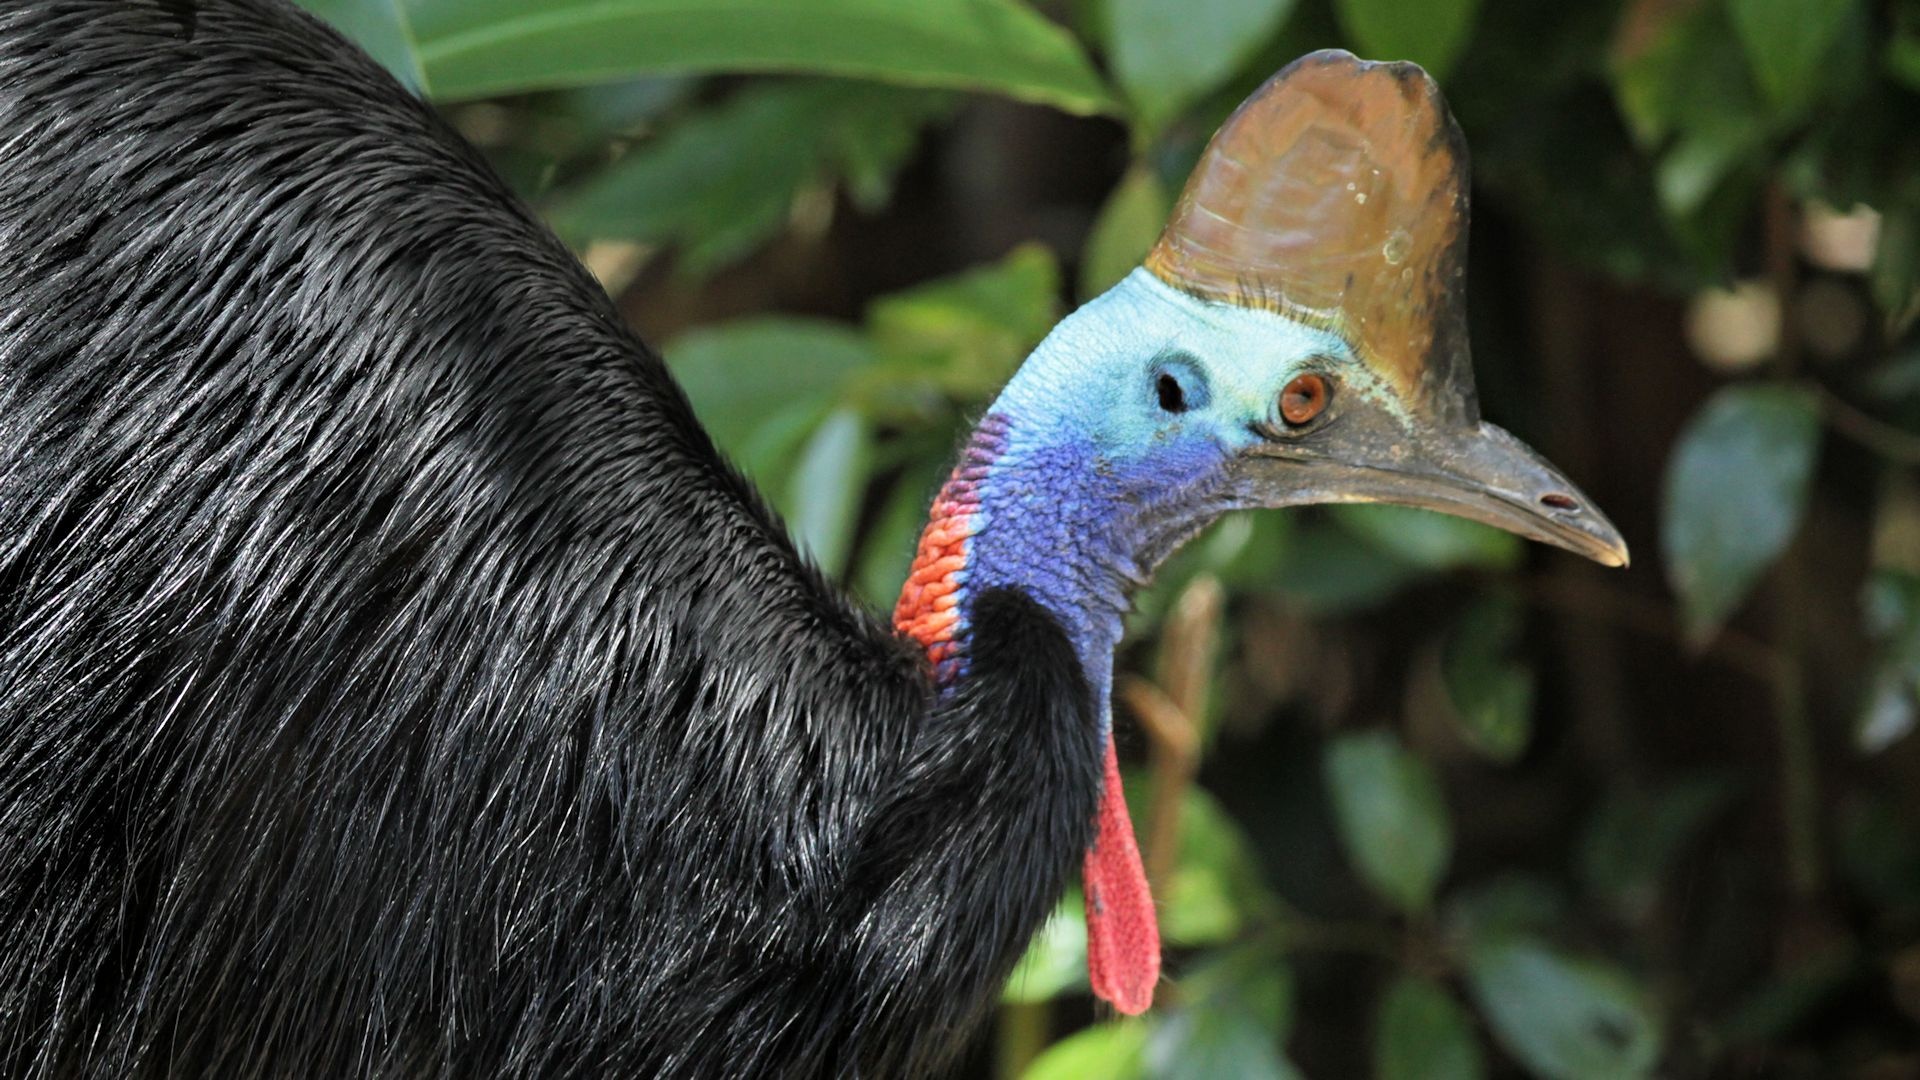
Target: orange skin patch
(929, 607)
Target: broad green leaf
(381, 28)
(1421, 1033)
(1392, 818)
(1893, 696)
(1167, 53)
(1509, 904)
(1563, 1017)
(1128, 225)
(1786, 42)
(1324, 571)
(1428, 539)
(1635, 836)
(824, 494)
(971, 330)
(1213, 888)
(1056, 958)
(723, 180)
(461, 49)
(739, 375)
(1430, 33)
(1736, 487)
(1895, 277)
(1111, 1051)
(888, 549)
(1235, 1011)
(1491, 693)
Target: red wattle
(1123, 934)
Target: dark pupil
(1172, 397)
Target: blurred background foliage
(1418, 801)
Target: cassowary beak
(1475, 471)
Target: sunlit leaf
(479, 48)
(1563, 1017)
(824, 494)
(1427, 539)
(1128, 225)
(1167, 53)
(1392, 818)
(1213, 888)
(1421, 1033)
(1430, 33)
(1735, 491)
(1111, 1051)
(1491, 693)
(971, 330)
(1786, 43)
(723, 180)
(1056, 959)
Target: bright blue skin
(1097, 481)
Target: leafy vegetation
(1418, 800)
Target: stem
(1887, 440)
(1799, 765)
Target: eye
(1304, 399)
(1173, 399)
(1179, 384)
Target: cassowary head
(1298, 335)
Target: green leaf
(459, 49)
(1167, 53)
(1427, 539)
(723, 180)
(1509, 904)
(1636, 836)
(1111, 1051)
(1324, 571)
(1786, 42)
(1892, 606)
(1735, 490)
(380, 27)
(1421, 1033)
(972, 329)
(887, 551)
(1212, 889)
(739, 375)
(1056, 959)
(1124, 231)
(1430, 33)
(1235, 1011)
(1562, 1017)
(1491, 694)
(1392, 818)
(823, 498)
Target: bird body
(394, 680)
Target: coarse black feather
(393, 679)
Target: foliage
(1457, 795)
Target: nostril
(1559, 501)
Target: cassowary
(394, 681)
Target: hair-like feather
(393, 679)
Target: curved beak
(1475, 471)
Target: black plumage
(393, 679)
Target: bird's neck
(1037, 510)
(1038, 516)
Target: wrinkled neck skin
(1061, 494)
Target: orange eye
(1303, 399)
